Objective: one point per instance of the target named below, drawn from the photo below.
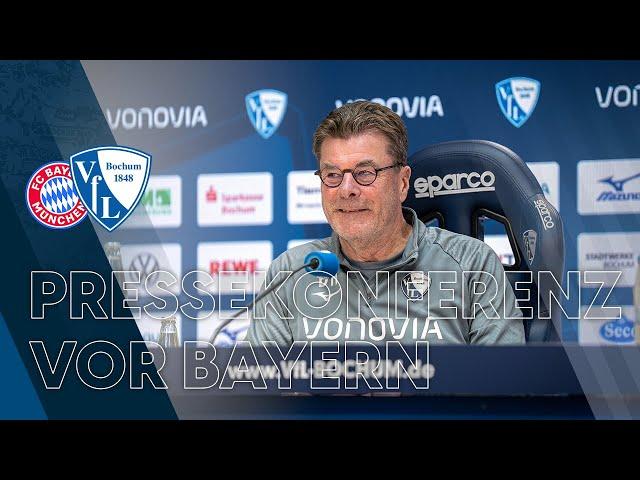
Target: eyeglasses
(365, 175)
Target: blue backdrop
(583, 111)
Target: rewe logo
(226, 266)
(621, 95)
(454, 183)
(158, 117)
(235, 263)
(413, 107)
(110, 182)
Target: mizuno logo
(618, 185)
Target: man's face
(356, 212)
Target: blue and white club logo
(266, 109)
(415, 284)
(517, 98)
(110, 182)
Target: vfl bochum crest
(517, 98)
(415, 284)
(110, 182)
(266, 109)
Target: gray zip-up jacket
(404, 299)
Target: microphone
(322, 263)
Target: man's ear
(405, 176)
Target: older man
(398, 279)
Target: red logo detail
(52, 198)
(235, 265)
(212, 196)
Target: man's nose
(349, 187)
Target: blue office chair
(463, 183)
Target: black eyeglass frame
(351, 170)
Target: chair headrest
(459, 182)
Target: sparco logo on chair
(454, 183)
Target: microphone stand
(314, 263)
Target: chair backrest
(462, 183)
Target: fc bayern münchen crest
(415, 285)
(110, 182)
(266, 109)
(52, 198)
(517, 98)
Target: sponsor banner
(417, 106)
(548, 175)
(620, 96)
(152, 257)
(296, 242)
(147, 118)
(500, 244)
(608, 187)
(235, 199)
(599, 330)
(234, 332)
(217, 258)
(304, 204)
(610, 252)
(161, 204)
